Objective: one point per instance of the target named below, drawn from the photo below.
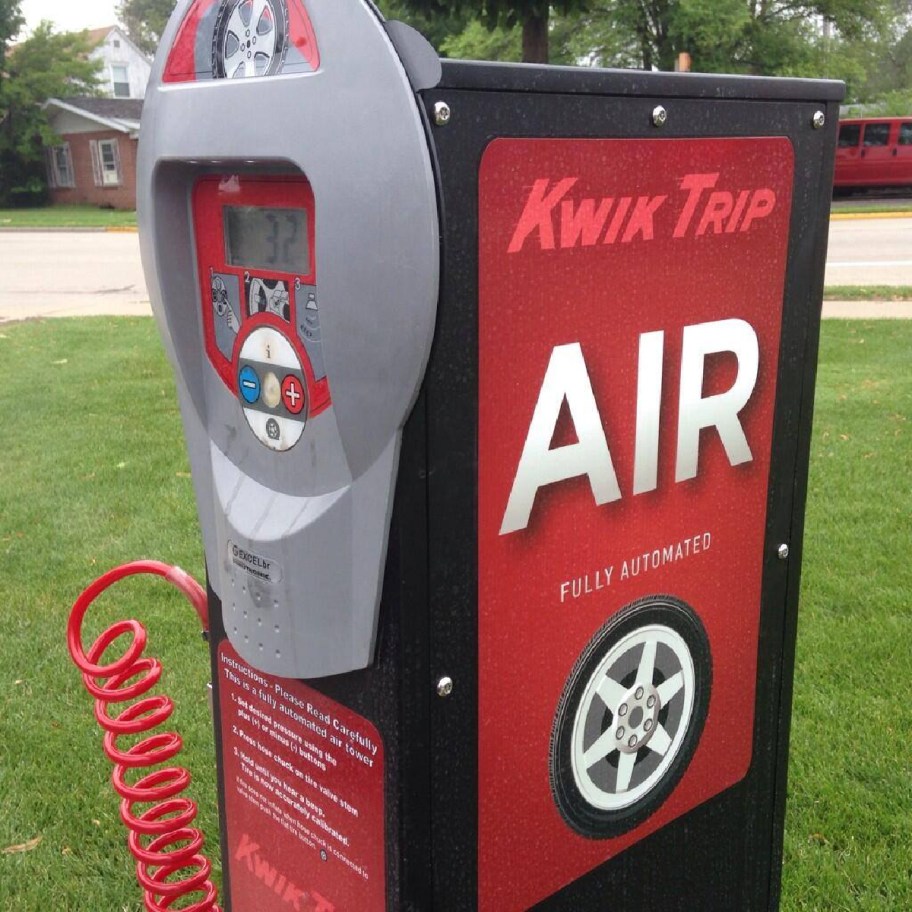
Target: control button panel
(272, 388)
(255, 239)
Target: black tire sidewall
(579, 814)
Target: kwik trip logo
(553, 220)
(272, 879)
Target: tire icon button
(273, 431)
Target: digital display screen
(274, 240)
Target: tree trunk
(535, 38)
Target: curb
(855, 216)
(29, 229)
(56, 229)
(133, 229)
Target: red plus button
(293, 394)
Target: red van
(874, 152)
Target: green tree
(439, 27)
(145, 21)
(47, 65)
(533, 16)
(478, 42)
(11, 22)
(746, 36)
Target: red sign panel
(303, 796)
(630, 307)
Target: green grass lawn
(94, 474)
(868, 293)
(66, 217)
(877, 207)
(849, 833)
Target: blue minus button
(249, 383)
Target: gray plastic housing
(295, 542)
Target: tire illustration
(630, 717)
(250, 38)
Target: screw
(621, 732)
(639, 693)
(783, 552)
(659, 116)
(444, 687)
(651, 702)
(819, 120)
(633, 741)
(442, 113)
(648, 725)
(623, 710)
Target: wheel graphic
(250, 38)
(630, 717)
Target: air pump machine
(497, 386)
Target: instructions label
(303, 796)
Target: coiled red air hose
(170, 864)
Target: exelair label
(630, 307)
(263, 568)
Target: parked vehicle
(874, 152)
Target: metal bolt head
(442, 113)
(783, 552)
(659, 116)
(819, 120)
(444, 687)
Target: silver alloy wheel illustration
(630, 717)
(616, 767)
(250, 38)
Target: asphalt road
(874, 251)
(53, 274)
(60, 274)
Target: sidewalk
(867, 310)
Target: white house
(125, 68)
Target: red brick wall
(85, 191)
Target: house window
(106, 162)
(120, 74)
(60, 167)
